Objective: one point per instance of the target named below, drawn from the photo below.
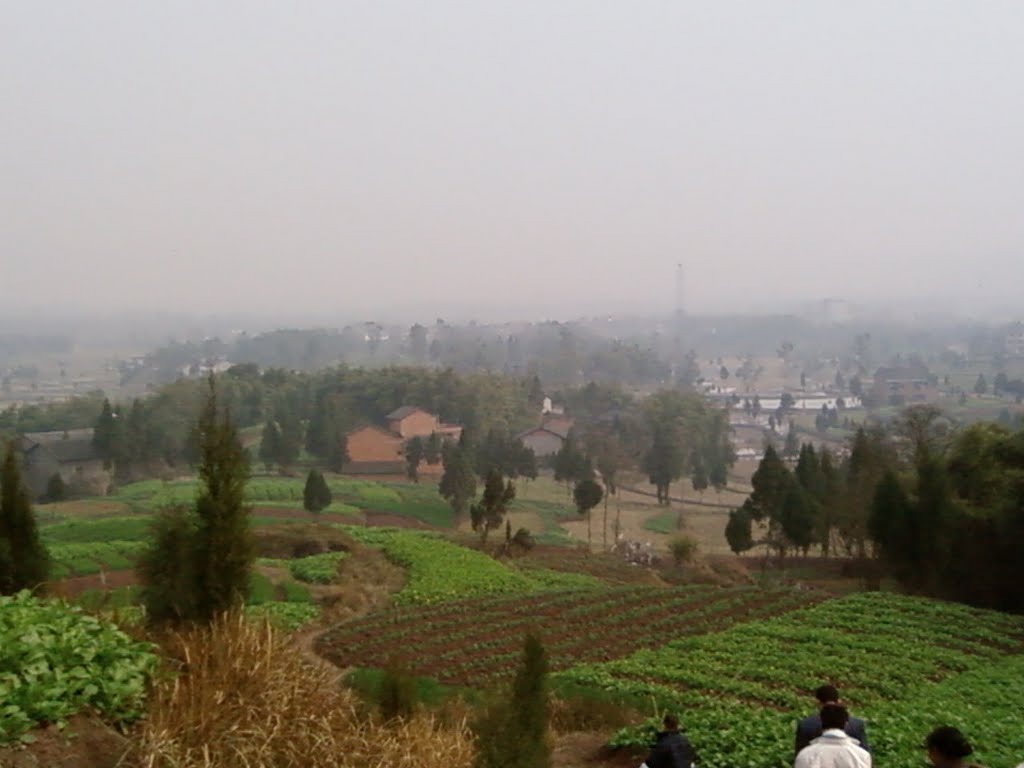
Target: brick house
(374, 450)
(68, 453)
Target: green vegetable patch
(56, 660)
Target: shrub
(682, 549)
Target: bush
(682, 548)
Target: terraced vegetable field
(739, 690)
(475, 642)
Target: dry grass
(245, 696)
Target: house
(548, 438)
(903, 385)
(374, 450)
(70, 454)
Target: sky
(540, 158)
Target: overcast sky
(549, 157)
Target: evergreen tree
(316, 495)
(24, 562)
(106, 434)
(797, 518)
(458, 481)
(513, 733)
(980, 386)
(738, 531)
(663, 461)
(587, 494)
(201, 560)
(494, 503)
(699, 475)
(289, 444)
(570, 463)
(414, 454)
(166, 568)
(224, 547)
(792, 445)
(432, 448)
(55, 488)
(270, 444)
(893, 527)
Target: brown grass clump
(245, 696)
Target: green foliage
(587, 494)
(738, 531)
(753, 677)
(317, 569)
(513, 733)
(199, 564)
(102, 529)
(24, 563)
(55, 489)
(396, 693)
(439, 570)
(316, 495)
(458, 482)
(287, 616)
(415, 452)
(56, 660)
(682, 548)
(494, 502)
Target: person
(671, 748)
(947, 748)
(834, 748)
(810, 727)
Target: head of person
(671, 722)
(947, 746)
(834, 716)
(827, 694)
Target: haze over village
(511, 385)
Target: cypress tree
(23, 560)
(224, 549)
(316, 495)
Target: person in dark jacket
(671, 748)
(948, 748)
(809, 728)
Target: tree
(316, 495)
(432, 448)
(209, 550)
(55, 488)
(415, 450)
(571, 464)
(270, 444)
(792, 445)
(723, 373)
(663, 461)
(490, 512)
(24, 562)
(106, 434)
(738, 531)
(458, 481)
(856, 386)
(980, 386)
(587, 494)
(786, 402)
(513, 733)
(699, 476)
(797, 518)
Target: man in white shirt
(833, 749)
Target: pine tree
(458, 482)
(166, 568)
(415, 452)
(106, 435)
(494, 502)
(587, 494)
(738, 531)
(23, 559)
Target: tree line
(940, 510)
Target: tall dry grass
(245, 696)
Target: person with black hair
(834, 748)
(810, 728)
(948, 748)
(671, 748)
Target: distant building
(373, 450)
(68, 453)
(903, 385)
(548, 438)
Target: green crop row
(288, 616)
(80, 559)
(102, 529)
(740, 690)
(317, 569)
(56, 660)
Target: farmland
(738, 689)
(472, 642)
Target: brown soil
(588, 750)
(75, 585)
(393, 520)
(85, 742)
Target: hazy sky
(547, 156)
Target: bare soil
(86, 742)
